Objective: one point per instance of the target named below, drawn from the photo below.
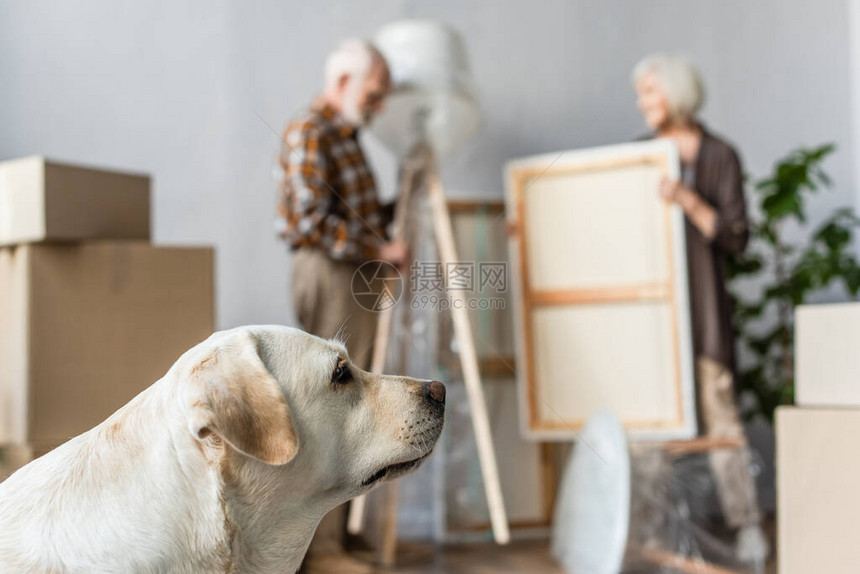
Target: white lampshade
(433, 95)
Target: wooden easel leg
(474, 391)
(355, 521)
(388, 549)
(683, 563)
(471, 373)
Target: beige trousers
(325, 307)
(731, 466)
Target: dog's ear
(235, 397)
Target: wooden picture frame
(600, 292)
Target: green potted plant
(787, 273)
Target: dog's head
(289, 399)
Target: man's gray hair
(353, 57)
(679, 80)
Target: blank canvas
(600, 292)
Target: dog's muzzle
(434, 398)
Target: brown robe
(719, 181)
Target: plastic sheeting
(413, 350)
(521, 470)
(640, 509)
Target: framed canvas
(600, 292)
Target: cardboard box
(84, 328)
(827, 364)
(818, 475)
(14, 457)
(42, 200)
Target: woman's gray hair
(353, 57)
(679, 80)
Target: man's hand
(395, 252)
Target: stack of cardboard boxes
(91, 313)
(818, 457)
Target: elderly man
(330, 214)
(332, 219)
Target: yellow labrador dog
(226, 464)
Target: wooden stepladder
(420, 169)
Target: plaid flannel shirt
(328, 196)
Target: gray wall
(175, 89)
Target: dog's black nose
(436, 392)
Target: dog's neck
(258, 517)
(276, 507)
(270, 513)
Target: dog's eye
(341, 373)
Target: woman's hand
(703, 216)
(671, 190)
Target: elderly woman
(710, 192)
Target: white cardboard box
(818, 476)
(827, 355)
(42, 200)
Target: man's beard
(350, 109)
